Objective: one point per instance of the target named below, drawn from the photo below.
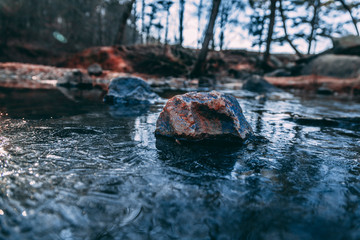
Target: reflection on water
(198, 160)
(75, 170)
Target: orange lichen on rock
(203, 116)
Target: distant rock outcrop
(341, 66)
(346, 42)
(203, 117)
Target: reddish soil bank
(160, 61)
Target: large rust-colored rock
(203, 116)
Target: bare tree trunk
(213, 43)
(199, 18)
(347, 8)
(120, 36)
(142, 20)
(285, 30)
(313, 24)
(261, 34)
(181, 21)
(167, 26)
(100, 27)
(152, 16)
(221, 44)
(3, 30)
(199, 67)
(222, 26)
(270, 32)
(148, 31)
(135, 31)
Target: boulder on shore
(129, 91)
(202, 117)
(346, 42)
(331, 65)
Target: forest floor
(163, 66)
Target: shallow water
(73, 168)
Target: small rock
(203, 116)
(75, 78)
(256, 83)
(261, 98)
(207, 81)
(95, 70)
(297, 69)
(240, 74)
(323, 90)
(129, 91)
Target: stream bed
(74, 168)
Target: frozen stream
(79, 170)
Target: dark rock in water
(241, 74)
(341, 66)
(262, 98)
(202, 116)
(75, 78)
(256, 83)
(129, 91)
(323, 90)
(207, 81)
(95, 69)
(296, 70)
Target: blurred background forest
(300, 26)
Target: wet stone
(129, 91)
(256, 83)
(203, 116)
(95, 70)
(75, 78)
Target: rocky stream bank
(31, 76)
(166, 68)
